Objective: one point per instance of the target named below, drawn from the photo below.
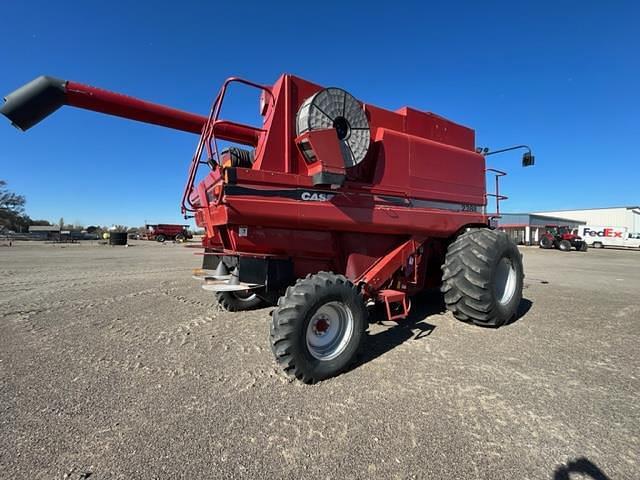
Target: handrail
(208, 138)
(497, 196)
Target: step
(389, 296)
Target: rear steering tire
(483, 277)
(160, 238)
(318, 326)
(238, 301)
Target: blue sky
(560, 76)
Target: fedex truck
(600, 237)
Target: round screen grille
(335, 108)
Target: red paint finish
(111, 103)
(434, 127)
(326, 151)
(426, 169)
(379, 273)
(343, 213)
(386, 226)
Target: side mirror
(528, 159)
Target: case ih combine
(167, 231)
(327, 207)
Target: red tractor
(563, 238)
(326, 208)
(164, 231)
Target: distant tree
(11, 208)
(21, 223)
(9, 201)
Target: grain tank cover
(337, 109)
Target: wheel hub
(321, 326)
(329, 331)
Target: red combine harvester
(325, 208)
(563, 238)
(165, 231)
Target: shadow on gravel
(523, 309)
(423, 306)
(581, 466)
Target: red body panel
(420, 179)
(425, 169)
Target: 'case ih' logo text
(316, 197)
(606, 232)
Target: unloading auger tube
(36, 100)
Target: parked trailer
(603, 236)
(326, 207)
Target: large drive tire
(180, 238)
(238, 301)
(583, 247)
(564, 245)
(318, 326)
(160, 238)
(546, 242)
(482, 278)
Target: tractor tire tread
(467, 276)
(231, 303)
(292, 307)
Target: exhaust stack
(33, 102)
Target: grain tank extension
(324, 208)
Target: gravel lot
(115, 364)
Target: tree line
(12, 214)
(14, 218)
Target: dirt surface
(115, 364)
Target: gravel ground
(114, 364)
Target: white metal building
(628, 217)
(527, 228)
